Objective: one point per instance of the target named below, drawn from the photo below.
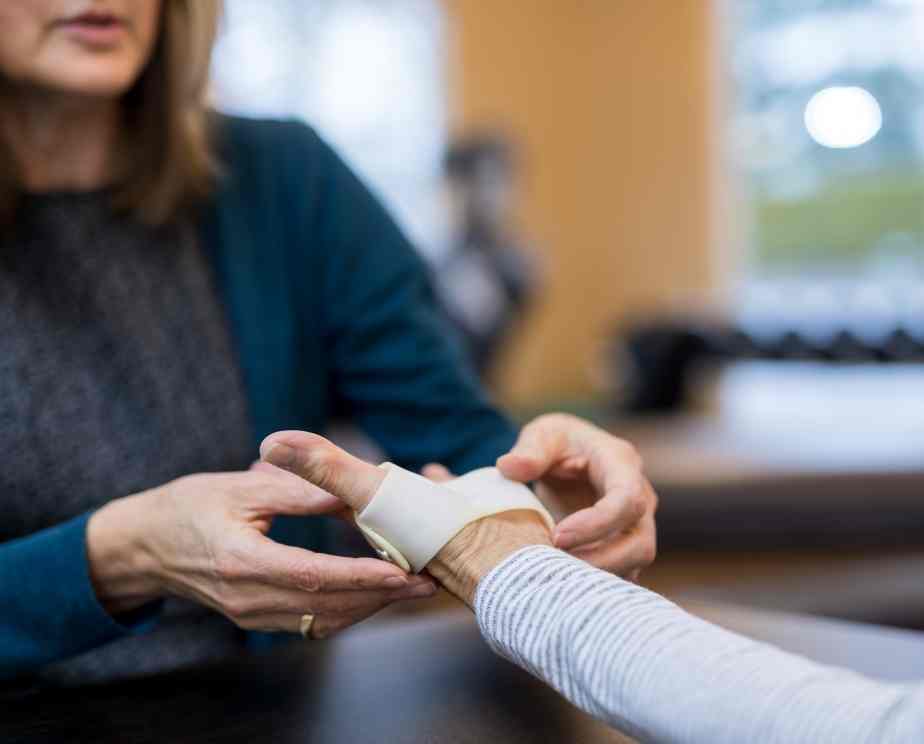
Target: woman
(620, 652)
(173, 286)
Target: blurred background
(698, 223)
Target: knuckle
(365, 573)
(358, 579)
(637, 507)
(626, 451)
(625, 512)
(649, 553)
(229, 568)
(309, 577)
(239, 492)
(236, 607)
(320, 464)
(250, 478)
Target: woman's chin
(95, 79)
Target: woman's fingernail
(417, 592)
(396, 582)
(564, 540)
(279, 454)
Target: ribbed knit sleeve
(48, 607)
(637, 661)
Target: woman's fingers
(323, 625)
(257, 600)
(567, 447)
(542, 444)
(323, 464)
(282, 492)
(331, 618)
(261, 581)
(623, 554)
(625, 500)
(296, 568)
(552, 442)
(437, 473)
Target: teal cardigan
(332, 314)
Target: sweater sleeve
(48, 608)
(643, 665)
(396, 367)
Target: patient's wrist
(481, 546)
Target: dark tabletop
(419, 679)
(426, 679)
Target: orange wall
(611, 102)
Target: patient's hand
(462, 562)
(482, 545)
(593, 483)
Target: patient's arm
(622, 653)
(630, 657)
(637, 661)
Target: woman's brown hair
(168, 153)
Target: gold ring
(304, 627)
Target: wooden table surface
(425, 679)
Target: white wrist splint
(410, 518)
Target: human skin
(462, 562)
(593, 483)
(61, 86)
(204, 537)
(61, 83)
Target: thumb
(323, 464)
(295, 496)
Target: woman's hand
(594, 483)
(203, 537)
(462, 562)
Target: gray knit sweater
(117, 374)
(643, 665)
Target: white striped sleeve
(637, 661)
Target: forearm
(635, 660)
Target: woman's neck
(60, 143)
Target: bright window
(827, 138)
(368, 74)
